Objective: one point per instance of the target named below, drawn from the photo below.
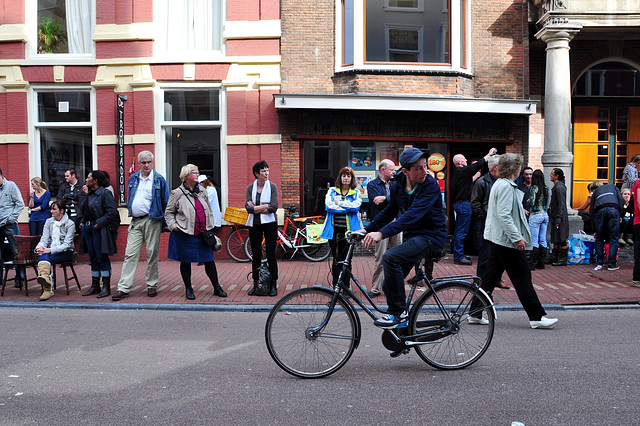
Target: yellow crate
(235, 215)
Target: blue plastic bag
(579, 253)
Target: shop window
(191, 128)
(64, 132)
(402, 34)
(189, 26)
(64, 26)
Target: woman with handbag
(261, 202)
(190, 220)
(99, 228)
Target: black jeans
(517, 266)
(270, 233)
(338, 245)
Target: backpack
(262, 287)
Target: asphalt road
(163, 367)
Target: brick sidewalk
(568, 285)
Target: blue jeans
(100, 263)
(397, 263)
(538, 224)
(607, 224)
(463, 220)
(55, 258)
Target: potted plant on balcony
(51, 33)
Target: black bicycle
(312, 332)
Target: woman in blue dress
(38, 206)
(188, 214)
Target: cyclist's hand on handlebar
(371, 239)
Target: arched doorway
(606, 124)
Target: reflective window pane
(194, 105)
(64, 107)
(62, 149)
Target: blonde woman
(188, 215)
(38, 206)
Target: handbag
(208, 236)
(262, 286)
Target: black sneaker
(392, 321)
(613, 267)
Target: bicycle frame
(448, 325)
(293, 242)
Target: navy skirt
(188, 248)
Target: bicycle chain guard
(390, 342)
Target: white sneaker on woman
(543, 323)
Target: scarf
(265, 198)
(55, 233)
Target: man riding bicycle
(416, 202)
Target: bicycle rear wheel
(248, 251)
(235, 245)
(316, 252)
(465, 343)
(290, 337)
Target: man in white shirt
(148, 196)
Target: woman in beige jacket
(188, 214)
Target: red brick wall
(253, 47)
(124, 49)
(251, 10)
(12, 12)
(12, 50)
(251, 112)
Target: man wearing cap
(416, 205)
(379, 192)
(148, 196)
(461, 185)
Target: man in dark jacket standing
(607, 206)
(417, 204)
(70, 192)
(479, 206)
(558, 218)
(461, 184)
(379, 192)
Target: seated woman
(55, 246)
(626, 225)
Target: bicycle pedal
(396, 354)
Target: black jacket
(606, 196)
(480, 196)
(103, 207)
(70, 196)
(375, 188)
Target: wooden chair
(64, 266)
(26, 257)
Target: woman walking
(261, 201)
(507, 232)
(99, 224)
(343, 204)
(188, 215)
(539, 199)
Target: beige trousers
(141, 231)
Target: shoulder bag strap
(196, 211)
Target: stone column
(558, 141)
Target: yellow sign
(436, 162)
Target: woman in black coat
(99, 226)
(558, 218)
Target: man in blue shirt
(416, 204)
(148, 197)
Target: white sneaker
(481, 321)
(543, 323)
(597, 268)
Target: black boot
(218, 291)
(552, 257)
(533, 258)
(274, 288)
(252, 290)
(542, 255)
(189, 292)
(106, 287)
(562, 257)
(95, 287)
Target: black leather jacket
(480, 196)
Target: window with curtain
(64, 26)
(189, 25)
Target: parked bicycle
(292, 238)
(236, 238)
(312, 332)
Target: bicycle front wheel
(316, 252)
(455, 343)
(235, 245)
(299, 340)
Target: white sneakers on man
(481, 321)
(543, 323)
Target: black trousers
(270, 233)
(338, 245)
(516, 265)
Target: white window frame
(359, 35)
(32, 57)
(160, 54)
(418, 29)
(35, 125)
(160, 125)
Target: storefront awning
(405, 103)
